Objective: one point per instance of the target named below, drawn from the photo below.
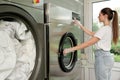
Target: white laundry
(7, 55)
(24, 48)
(25, 63)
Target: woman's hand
(67, 50)
(78, 23)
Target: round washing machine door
(21, 45)
(67, 62)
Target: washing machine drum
(21, 45)
(17, 51)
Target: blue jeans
(103, 65)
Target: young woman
(102, 40)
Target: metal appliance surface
(62, 34)
(29, 14)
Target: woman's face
(101, 17)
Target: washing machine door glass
(69, 57)
(67, 62)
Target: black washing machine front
(22, 45)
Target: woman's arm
(92, 41)
(87, 31)
(83, 28)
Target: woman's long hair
(112, 15)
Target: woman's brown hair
(112, 14)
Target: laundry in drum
(17, 51)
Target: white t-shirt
(105, 36)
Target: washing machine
(63, 33)
(23, 40)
